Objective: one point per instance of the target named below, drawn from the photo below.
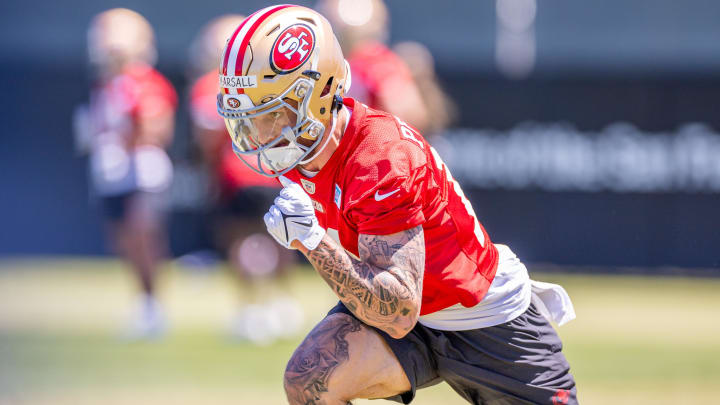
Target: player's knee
(307, 380)
(293, 390)
(313, 374)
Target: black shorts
(517, 362)
(116, 208)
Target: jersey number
(458, 191)
(410, 134)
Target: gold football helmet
(282, 78)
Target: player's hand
(292, 217)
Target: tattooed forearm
(383, 288)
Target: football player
(239, 198)
(440, 107)
(125, 129)
(425, 296)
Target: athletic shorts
(116, 208)
(517, 362)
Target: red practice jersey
(231, 172)
(383, 179)
(138, 91)
(376, 69)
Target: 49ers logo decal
(292, 48)
(233, 102)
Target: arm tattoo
(384, 288)
(310, 368)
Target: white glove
(292, 217)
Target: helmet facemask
(282, 78)
(267, 137)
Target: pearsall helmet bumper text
(230, 108)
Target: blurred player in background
(381, 79)
(400, 80)
(125, 129)
(239, 198)
(425, 296)
(441, 110)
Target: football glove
(292, 217)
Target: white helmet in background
(356, 21)
(118, 37)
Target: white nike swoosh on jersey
(380, 197)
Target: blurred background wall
(587, 132)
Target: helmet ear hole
(328, 86)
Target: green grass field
(637, 340)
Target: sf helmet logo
(233, 102)
(292, 48)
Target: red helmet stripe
(232, 41)
(228, 48)
(235, 48)
(251, 31)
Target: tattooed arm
(383, 288)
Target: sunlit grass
(637, 340)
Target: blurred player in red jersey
(125, 129)
(438, 105)
(425, 296)
(240, 197)
(381, 79)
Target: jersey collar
(346, 142)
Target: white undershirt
(307, 173)
(508, 297)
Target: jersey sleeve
(155, 97)
(203, 109)
(389, 198)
